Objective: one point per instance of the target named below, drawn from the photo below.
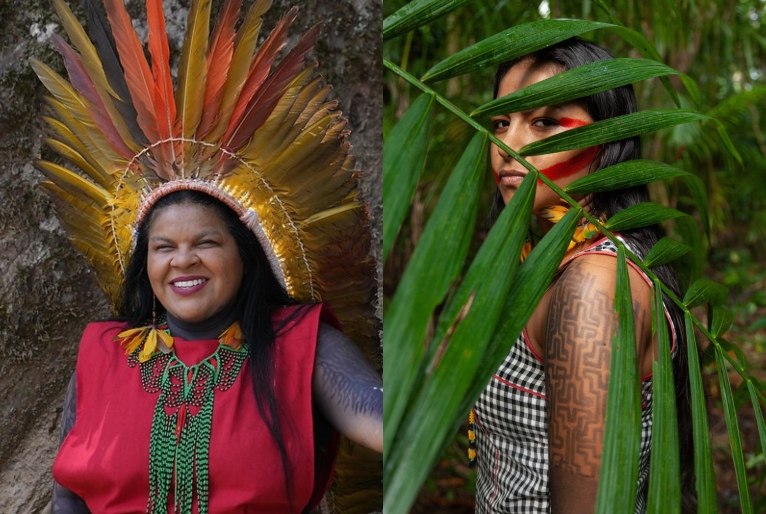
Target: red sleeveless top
(105, 457)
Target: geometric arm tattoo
(578, 335)
(580, 324)
(346, 388)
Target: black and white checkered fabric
(512, 433)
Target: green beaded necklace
(179, 441)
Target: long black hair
(572, 53)
(259, 295)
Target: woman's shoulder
(102, 332)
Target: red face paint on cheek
(570, 166)
(572, 122)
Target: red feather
(259, 70)
(165, 105)
(268, 96)
(218, 62)
(83, 84)
(138, 76)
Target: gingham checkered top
(512, 432)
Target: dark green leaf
(524, 39)
(612, 129)
(417, 13)
(489, 262)
(664, 251)
(758, 415)
(622, 433)
(623, 175)
(641, 215)
(732, 427)
(664, 474)
(465, 328)
(700, 200)
(404, 156)
(703, 458)
(722, 320)
(533, 280)
(577, 83)
(704, 290)
(434, 265)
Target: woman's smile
(193, 262)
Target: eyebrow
(201, 235)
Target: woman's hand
(348, 391)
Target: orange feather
(218, 64)
(259, 70)
(244, 47)
(137, 73)
(260, 107)
(160, 55)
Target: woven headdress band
(256, 133)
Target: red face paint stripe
(572, 122)
(570, 166)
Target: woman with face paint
(539, 424)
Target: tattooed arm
(578, 341)
(348, 391)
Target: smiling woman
(193, 262)
(222, 218)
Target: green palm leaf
(732, 427)
(623, 175)
(664, 251)
(705, 291)
(612, 129)
(524, 39)
(577, 83)
(703, 458)
(641, 215)
(416, 14)
(622, 434)
(437, 260)
(664, 485)
(470, 317)
(404, 157)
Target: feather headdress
(258, 134)
(252, 130)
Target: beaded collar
(179, 440)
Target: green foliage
(463, 298)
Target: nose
(184, 258)
(512, 138)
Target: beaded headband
(242, 126)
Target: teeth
(189, 283)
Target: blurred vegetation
(722, 46)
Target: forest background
(719, 44)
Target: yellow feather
(149, 347)
(72, 182)
(82, 43)
(91, 167)
(98, 151)
(73, 156)
(279, 130)
(192, 74)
